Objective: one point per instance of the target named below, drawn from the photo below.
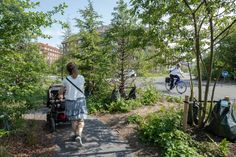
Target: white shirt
(72, 93)
(175, 71)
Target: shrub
(177, 143)
(3, 133)
(95, 106)
(12, 109)
(174, 99)
(150, 96)
(223, 146)
(162, 128)
(124, 105)
(157, 123)
(120, 106)
(135, 119)
(100, 100)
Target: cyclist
(174, 73)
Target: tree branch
(200, 26)
(215, 43)
(227, 28)
(198, 7)
(186, 3)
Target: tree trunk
(209, 68)
(199, 72)
(191, 84)
(122, 70)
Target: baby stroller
(56, 114)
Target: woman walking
(75, 103)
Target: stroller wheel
(52, 125)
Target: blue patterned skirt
(76, 109)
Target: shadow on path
(99, 141)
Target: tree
(19, 25)
(122, 39)
(225, 57)
(68, 31)
(192, 25)
(91, 59)
(22, 67)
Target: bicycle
(128, 94)
(181, 86)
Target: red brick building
(51, 53)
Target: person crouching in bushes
(75, 102)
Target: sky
(102, 7)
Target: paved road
(222, 89)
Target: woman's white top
(72, 93)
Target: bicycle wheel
(181, 87)
(167, 85)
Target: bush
(163, 129)
(174, 99)
(3, 133)
(13, 110)
(223, 147)
(124, 105)
(177, 143)
(135, 119)
(157, 123)
(100, 100)
(96, 105)
(150, 96)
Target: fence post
(186, 108)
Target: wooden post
(186, 108)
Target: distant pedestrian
(75, 102)
(174, 73)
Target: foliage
(157, 123)
(101, 101)
(3, 133)
(189, 26)
(175, 99)
(177, 143)
(224, 57)
(150, 96)
(13, 110)
(223, 146)
(19, 25)
(91, 59)
(22, 66)
(135, 118)
(97, 105)
(163, 128)
(122, 42)
(124, 105)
